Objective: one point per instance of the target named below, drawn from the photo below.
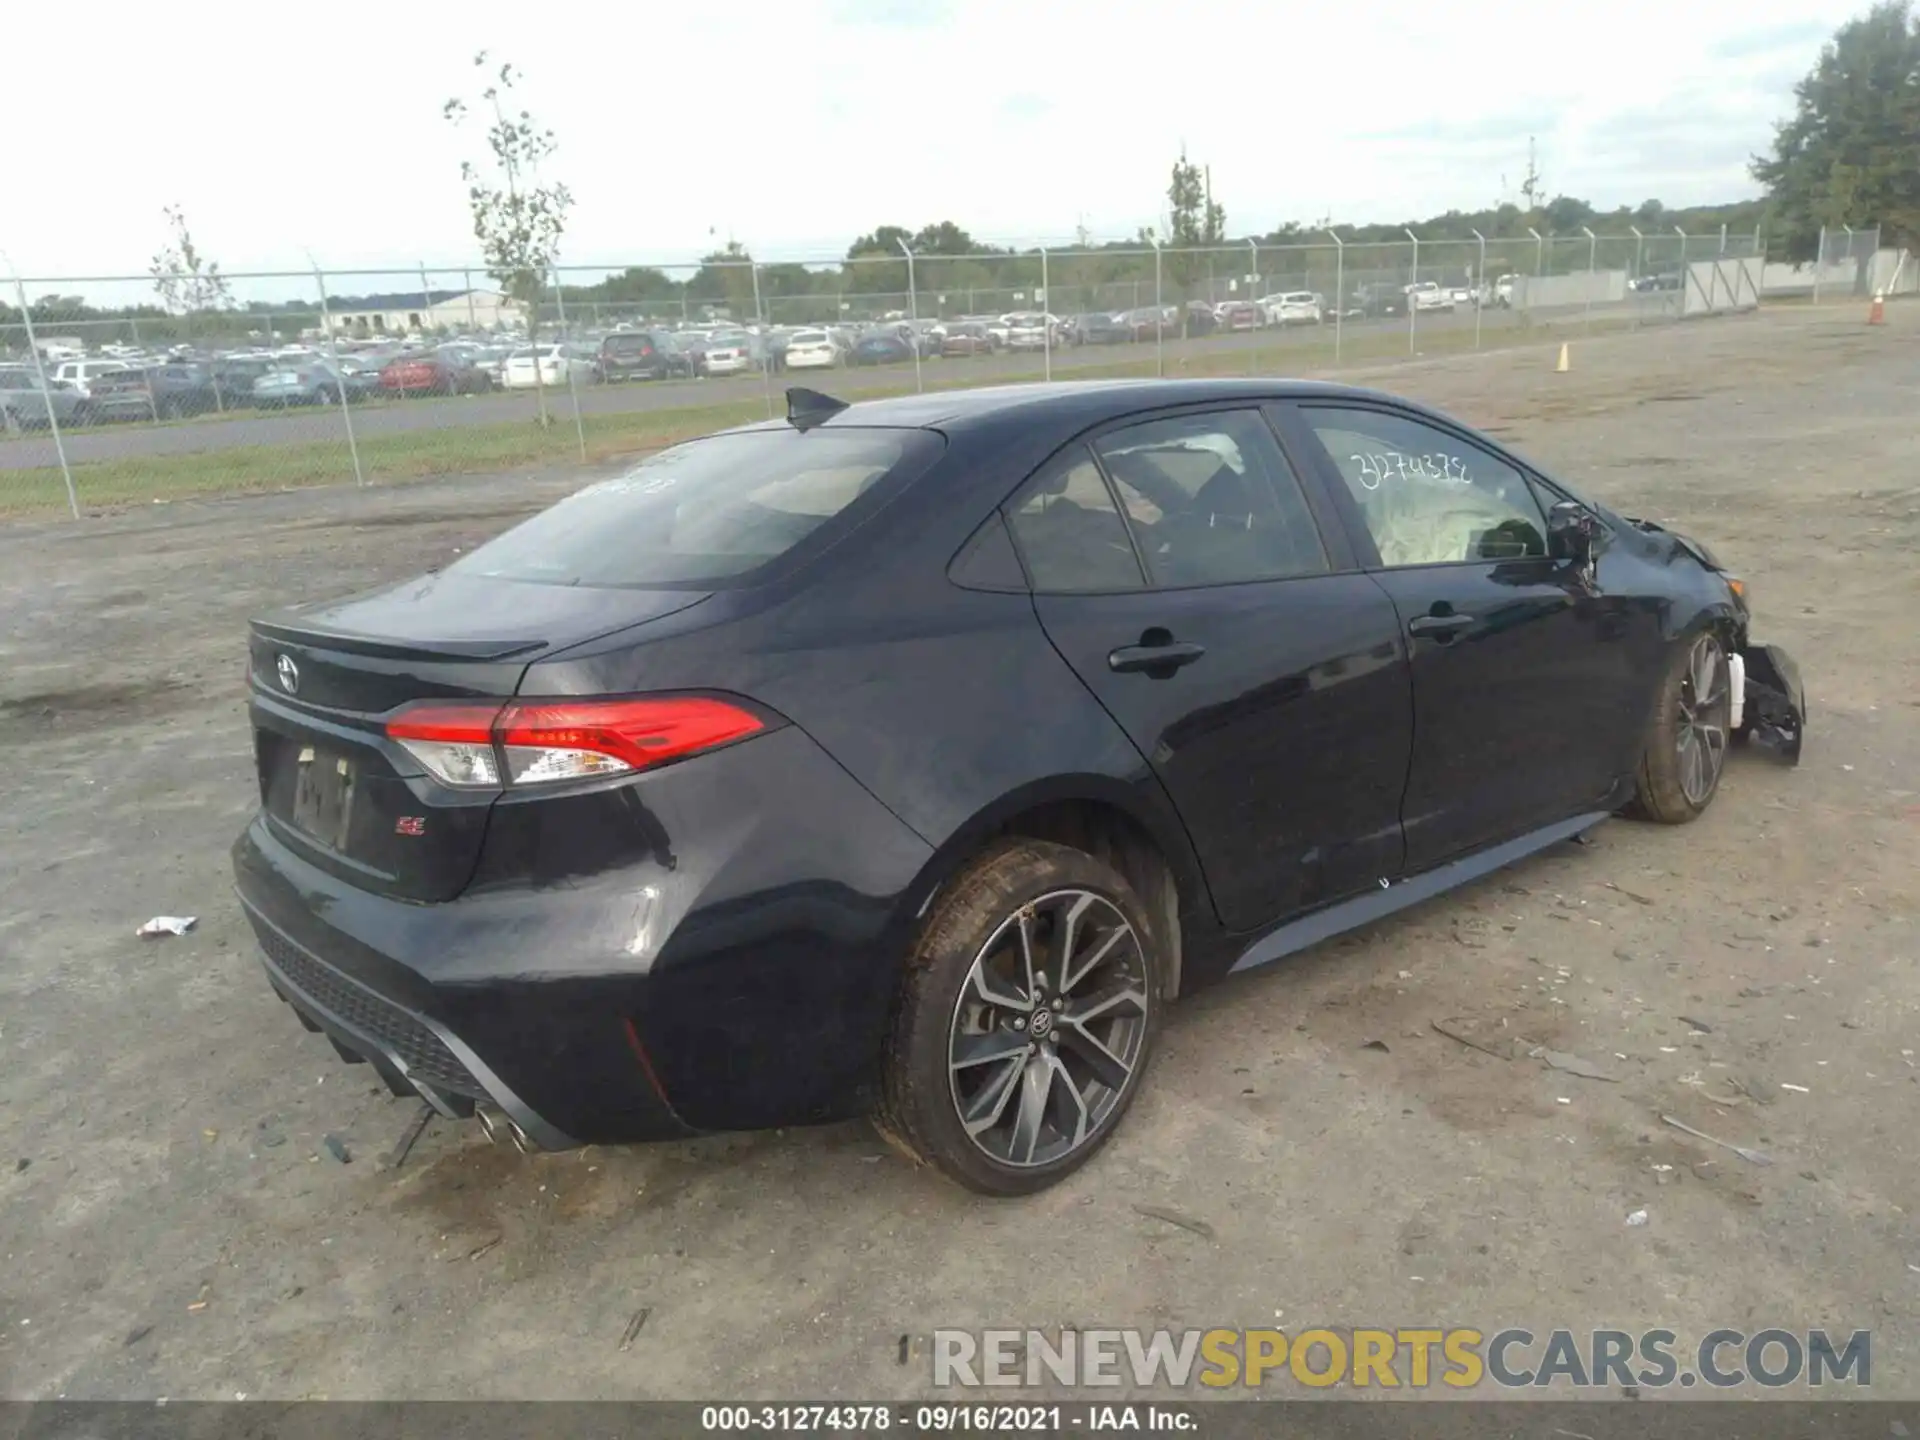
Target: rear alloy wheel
(1026, 1021)
(1686, 746)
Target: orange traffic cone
(1877, 311)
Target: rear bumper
(710, 947)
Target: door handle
(1164, 658)
(1439, 627)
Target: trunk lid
(324, 680)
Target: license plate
(323, 796)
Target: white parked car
(79, 375)
(1294, 307)
(730, 354)
(1024, 331)
(555, 366)
(1427, 295)
(1503, 291)
(812, 350)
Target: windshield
(703, 513)
(808, 337)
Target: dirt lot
(173, 1224)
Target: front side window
(1426, 496)
(1212, 500)
(1069, 531)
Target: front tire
(1026, 1019)
(1687, 737)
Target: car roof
(1079, 403)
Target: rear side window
(708, 513)
(1069, 530)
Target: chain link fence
(107, 399)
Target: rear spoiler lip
(352, 644)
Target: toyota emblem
(289, 675)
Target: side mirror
(1575, 533)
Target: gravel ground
(173, 1223)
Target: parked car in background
(1196, 317)
(641, 355)
(550, 365)
(1380, 299)
(434, 372)
(728, 353)
(1503, 292)
(234, 376)
(966, 338)
(313, 381)
(172, 390)
(1150, 321)
(79, 375)
(883, 345)
(1025, 330)
(1237, 315)
(1426, 295)
(26, 404)
(1100, 328)
(812, 350)
(1293, 307)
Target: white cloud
(794, 124)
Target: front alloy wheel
(1025, 1021)
(1685, 748)
(1701, 718)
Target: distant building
(424, 312)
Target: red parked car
(437, 372)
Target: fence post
(1253, 282)
(46, 392)
(766, 339)
(1046, 319)
(1593, 246)
(1413, 324)
(333, 353)
(573, 385)
(1159, 314)
(473, 316)
(1850, 257)
(1686, 276)
(1819, 260)
(913, 313)
(426, 301)
(1339, 288)
(1480, 291)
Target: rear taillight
(541, 742)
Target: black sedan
(910, 758)
(881, 347)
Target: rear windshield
(706, 513)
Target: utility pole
(1533, 186)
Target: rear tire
(1687, 735)
(1010, 1084)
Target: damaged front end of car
(1771, 707)
(1769, 700)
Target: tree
(1848, 155)
(186, 280)
(517, 220)
(1194, 219)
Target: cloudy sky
(793, 125)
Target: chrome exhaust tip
(502, 1129)
(493, 1122)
